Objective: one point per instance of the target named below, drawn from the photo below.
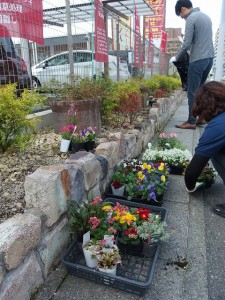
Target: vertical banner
(157, 21)
(163, 42)
(150, 48)
(101, 45)
(23, 19)
(138, 54)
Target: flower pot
(149, 249)
(89, 145)
(109, 240)
(176, 170)
(90, 261)
(131, 249)
(111, 271)
(64, 147)
(77, 146)
(119, 191)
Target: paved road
(199, 240)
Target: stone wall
(32, 243)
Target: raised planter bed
(135, 275)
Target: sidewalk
(199, 239)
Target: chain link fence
(69, 28)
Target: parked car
(12, 67)
(58, 67)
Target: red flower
(116, 184)
(138, 168)
(143, 213)
(131, 232)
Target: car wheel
(35, 83)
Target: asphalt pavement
(191, 264)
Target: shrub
(15, 128)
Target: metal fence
(66, 29)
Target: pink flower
(96, 201)
(163, 135)
(173, 134)
(114, 231)
(111, 220)
(94, 221)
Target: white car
(58, 67)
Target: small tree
(15, 128)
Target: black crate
(134, 275)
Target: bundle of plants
(144, 182)
(208, 176)
(176, 159)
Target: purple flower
(140, 188)
(151, 188)
(152, 195)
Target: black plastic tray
(136, 200)
(134, 275)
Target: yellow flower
(127, 218)
(161, 167)
(141, 175)
(163, 178)
(146, 166)
(106, 207)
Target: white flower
(173, 157)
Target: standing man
(197, 39)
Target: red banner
(157, 21)
(138, 53)
(22, 18)
(101, 46)
(163, 42)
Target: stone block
(104, 165)
(1, 274)
(18, 235)
(49, 189)
(77, 188)
(22, 282)
(109, 150)
(119, 137)
(89, 166)
(53, 244)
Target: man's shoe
(219, 209)
(186, 125)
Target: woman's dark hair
(209, 101)
(182, 3)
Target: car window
(62, 59)
(82, 57)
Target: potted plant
(149, 184)
(87, 217)
(151, 230)
(90, 250)
(90, 136)
(66, 134)
(78, 141)
(176, 159)
(168, 141)
(208, 176)
(107, 260)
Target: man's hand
(172, 60)
(198, 186)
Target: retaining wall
(32, 243)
